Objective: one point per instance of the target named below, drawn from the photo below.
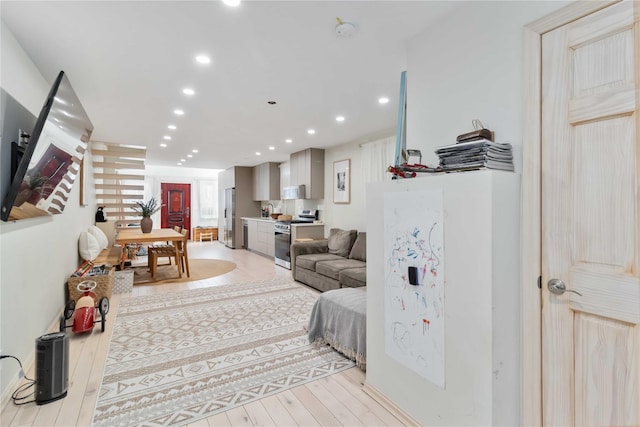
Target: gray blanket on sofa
(339, 318)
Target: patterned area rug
(178, 357)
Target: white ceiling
(129, 61)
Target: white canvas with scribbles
(414, 313)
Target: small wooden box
(195, 235)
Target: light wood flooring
(332, 401)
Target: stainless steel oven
(283, 244)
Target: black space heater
(52, 367)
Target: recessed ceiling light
(178, 112)
(194, 150)
(183, 160)
(383, 100)
(288, 141)
(179, 164)
(258, 153)
(188, 91)
(163, 145)
(272, 148)
(167, 137)
(189, 155)
(203, 59)
(311, 131)
(172, 127)
(232, 3)
(340, 119)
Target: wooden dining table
(135, 235)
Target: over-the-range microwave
(295, 192)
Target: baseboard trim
(383, 400)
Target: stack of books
(478, 154)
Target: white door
(590, 222)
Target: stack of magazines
(477, 154)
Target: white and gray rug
(178, 357)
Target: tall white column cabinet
(481, 308)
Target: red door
(177, 205)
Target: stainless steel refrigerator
(229, 217)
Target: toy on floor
(84, 311)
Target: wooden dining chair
(182, 251)
(162, 251)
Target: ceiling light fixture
(288, 141)
(172, 127)
(383, 100)
(167, 137)
(179, 164)
(311, 131)
(258, 153)
(182, 160)
(163, 145)
(189, 155)
(203, 59)
(272, 148)
(231, 3)
(340, 119)
(188, 91)
(178, 112)
(194, 150)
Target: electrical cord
(15, 396)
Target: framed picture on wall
(342, 181)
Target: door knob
(557, 287)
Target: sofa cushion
(359, 249)
(353, 277)
(309, 261)
(332, 268)
(341, 241)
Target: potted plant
(145, 210)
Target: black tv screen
(51, 161)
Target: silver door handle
(557, 287)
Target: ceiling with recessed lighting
(209, 86)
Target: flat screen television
(51, 160)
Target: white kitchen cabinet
(266, 182)
(307, 168)
(261, 236)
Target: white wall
(466, 66)
(469, 66)
(156, 175)
(32, 280)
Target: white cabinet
(266, 182)
(261, 236)
(481, 305)
(307, 168)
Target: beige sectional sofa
(337, 262)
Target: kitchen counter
(259, 219)
(309, 224)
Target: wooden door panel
(604, 220)
(606, 370)
(590, 241)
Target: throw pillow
(88, 246)
(340, 241)
(359, 249)
(102, 239)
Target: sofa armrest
(304, 248)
